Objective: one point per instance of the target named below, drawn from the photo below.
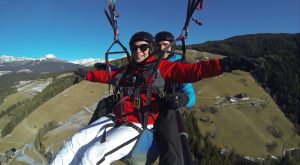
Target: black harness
(131, 84)
(134, 81)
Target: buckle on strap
(137, 103)
(124, 117)
(116, 97)
(161, 93)
(137, 99)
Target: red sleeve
(101, 75)
(188, 73)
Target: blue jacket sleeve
(188, 89)
(175, 57)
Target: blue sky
(77, 29)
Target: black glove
(81, 73)
(176, 100)
(238, 63)
(100, 66)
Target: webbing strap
(108, 68)
(117, 148)
(160, 55)
(122, 103)
(103, 137)
(134, 127)
(137, 99)
(112, 18)
(122, 99)
(192, 6)
(183, 48)
(148, 106)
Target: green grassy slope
(278, 70)
(240, 126)
(25, 92)
(61, 108)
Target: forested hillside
(278, 56)
(9, 81)
(17, 112)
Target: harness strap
(118, 77)
(117, 124)
(122, 103)
(134, 127)
(122, 99)
(137, 98)
(103, 138)
(117, 148)
(148, 106)
(150, 76)
(137, 102)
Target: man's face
(162, 45)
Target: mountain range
(5, 58)
(48, 64)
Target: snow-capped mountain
(87, 62)
(46, 64)
(50, 57)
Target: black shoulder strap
(119, 76)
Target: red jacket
(171, 72)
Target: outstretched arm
(188, 73)
(97, 75)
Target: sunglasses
(142, 47)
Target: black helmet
(164, 36)
(142, 36)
